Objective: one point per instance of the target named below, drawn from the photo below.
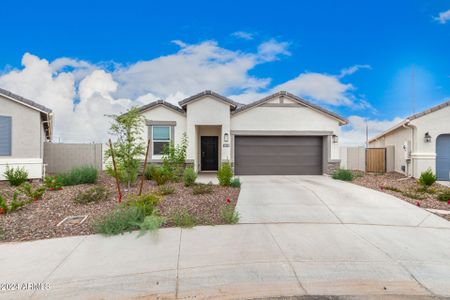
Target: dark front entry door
(209, 153)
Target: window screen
(5, 136)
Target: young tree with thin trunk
(129, 145)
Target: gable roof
(301, 101)
(163, 103)
(184, 102)
(410, 118)
(25, 101)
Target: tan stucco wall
(27, 137)
(397, 139)
(162, 113)
(289, 118)
(207, 111)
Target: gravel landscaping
(398, 185)
(39, 219)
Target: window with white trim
(161, 136)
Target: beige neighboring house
(421, 141)
(24, 127)
(281, 134)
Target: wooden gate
(376, 160)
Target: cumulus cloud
(443, 17)
(354, 134)
(320, 87)
(243, 35)
(81, 93)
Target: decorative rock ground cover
(406, 189)
(38, 220)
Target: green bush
(53, 183)
(95, 194)
(166, 190)
(79, 175)
(120, 220)
(189, 176)
(146, 202)
(161, 175)
(182, 218)
(444, 196)
(174, 158)
(14, 205)
(228, 215)
(427, 178)
(235, 182)
(33, 194)
(149, 171)
(391, 188)
(15, 176)
(342, 174)
(201, 188)
(224, 174)
(414, 195)
(151, 223)
(122, 174)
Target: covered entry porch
(209, 150)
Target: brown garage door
(278, 155)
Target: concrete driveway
(321, 237)
(320, 199)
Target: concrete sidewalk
(236, 261)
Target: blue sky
(259, 46)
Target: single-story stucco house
(281, 134)
(421, 141)
(24, 126)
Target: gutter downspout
(405, 125)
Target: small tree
(129, 145)
(174, 157)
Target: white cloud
(81, 93)
(272, 49)
(243, 35)
(443, 17)
(319, 87)
(353, 69)
(354, 134)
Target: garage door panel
(278, 155)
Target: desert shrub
(146, 202)
(95, 194)
(53, 183)
(224, 174)
(427, 178)
(201, 188)
(189, 176)
(14, 205)
(161, 175)
(444, 195)
(391, 188)
(3, 205)
(121, 173)
(426, 189)
(182, 218)
(149, 171)
(33, 194)
(413, 195)
(120, 220)
(341, 174)
(228, 215)
(174, 158)
(235, 182)
(166, 190)
(15, 176)
(151, 223)
(79, 175)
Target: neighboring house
(24, 126)
(421, 141)
(281, 134)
